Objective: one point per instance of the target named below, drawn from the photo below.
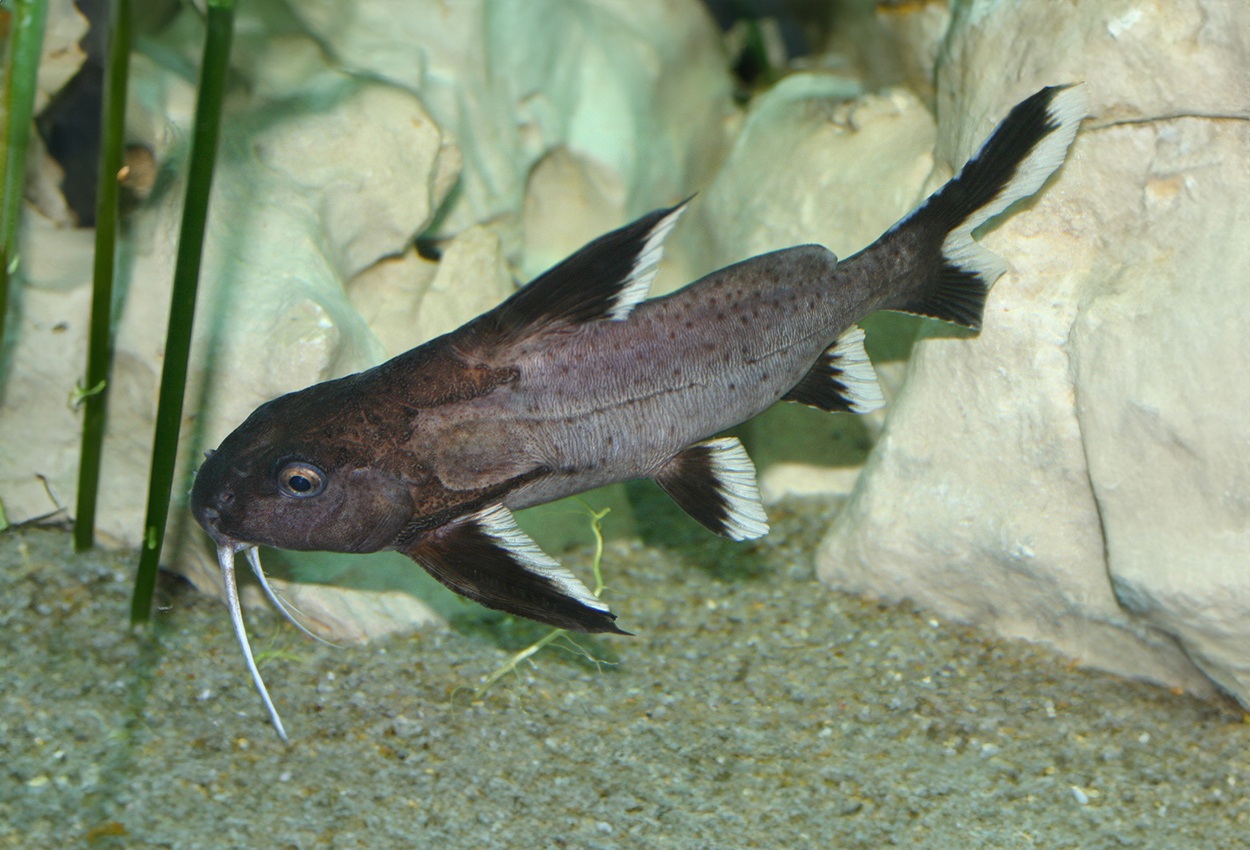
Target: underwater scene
(664, 424)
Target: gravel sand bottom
(753, 708)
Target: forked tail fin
(948, 274)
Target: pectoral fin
(714, 482)
(487, 558)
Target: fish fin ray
(486, 557)
(714, 482)
(842, 380)
(604, 280)
(1013, 163)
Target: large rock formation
(1080, 472)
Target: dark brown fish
(578, 381)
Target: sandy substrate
(753, 708)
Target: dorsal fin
(714, 482)
(604, 280)
(842, 380)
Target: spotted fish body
(578, 381)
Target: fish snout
(208, 506)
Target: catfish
(579, 380)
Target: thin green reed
(94, 391)
(29, 17)
(220, 28)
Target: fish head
(299, 474)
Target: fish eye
(301, 480)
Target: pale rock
(44, 177)
(472, 278)
(857, 43)
(342, 615)
(374, 169)
(160, 109)
(641, 88)
(61, 56)
(917, 30)
(571, 199)
(781, 481)
(60, 270)
(1144, 61)
(389, 296)
(282, 65)
(814, 162)
(37, 427)
(408, 300)
(60, 59)
(1079, 473)
(1161, 365)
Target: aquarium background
(1077, 475)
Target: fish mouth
(226, 551)
(208, 513)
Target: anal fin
(488, 558)
(714, 482)
(842, 380)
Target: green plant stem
(100, 341)
(220, 28)
(29, 18)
